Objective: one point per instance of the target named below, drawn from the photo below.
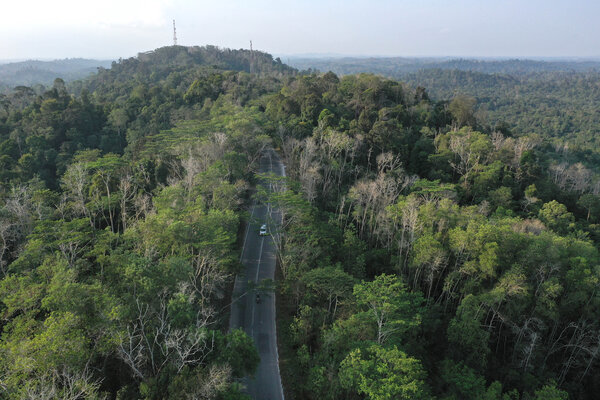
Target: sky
(109, 29)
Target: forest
(426, 251)
(398, 67)
(556, 98)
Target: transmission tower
(174, 34)
(251, 58)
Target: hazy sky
(121, 28)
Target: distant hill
(146, 66)
(170, 58)
(180, 66)
(32, 72)
(397, 67)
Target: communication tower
(251, 58)
(174, 34)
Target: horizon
(325, 56)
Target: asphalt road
(258, 318)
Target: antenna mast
(251, 58)
(174, 34)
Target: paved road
(258, 319)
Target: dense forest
(399, 66)
(425, 252)
(555, 98)
(561, 105)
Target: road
(258, 319)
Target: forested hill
(397, 67)
(424, 253)
(33, 72)
(179, 63)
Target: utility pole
(174, 34)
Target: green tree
(118, 118)
(328, 286)
(384, 374)
(556, 216)
(240, 353)
(468, 340)
(591, 204)
(386, 302)
(462, 108)
(551, 392)
(461, 381)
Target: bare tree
(127, 191)
(75, 181)
(210, 384)
(150, 342)
(371, 198)
(575, 177)
(16, 222)
(207, 279)
(308, 169)
(142, 205)
(192, 165)
(64, 384)
(468, 157)
(190, 347)
(7, 238)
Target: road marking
(273, 340)
(262, 242)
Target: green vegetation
(398, 66)
(119, 216)
(557, 105)
(424, 253)
(485, 233)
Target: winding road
(257, 319)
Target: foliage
(383, 374)
(424, 250)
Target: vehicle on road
(263, 230)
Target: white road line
(235, 282)
(269, 210)
(259, 258)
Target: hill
(397, 67)
(179, 66)
(34, 72)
